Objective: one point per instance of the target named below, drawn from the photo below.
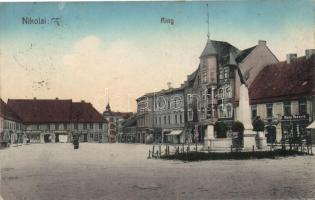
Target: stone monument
(244, 116)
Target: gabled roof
(54, 111)
(132, 121)
(7, 113)
(243, 54)
(282, 81)
(41, 110)
(85, 113)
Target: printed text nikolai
(41, 20)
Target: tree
(238, 127)
(258, 125)
(221, 129)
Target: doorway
(47, 138)
(56, 137)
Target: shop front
(294, 127)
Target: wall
(260, 57)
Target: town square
(157, 100)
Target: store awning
(312, 125)
(175, 132)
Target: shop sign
(295, 117)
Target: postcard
(157, 100)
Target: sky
(114, 52)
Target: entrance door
(85, 138)
(57, 137)
(271, 134)
(46, 138)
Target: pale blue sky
(135, 28)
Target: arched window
(226, 73)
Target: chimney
(262, 42)
(291, 57)
(82, 101)
(57, 98)
(309, 53)
(34, 98)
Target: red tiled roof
(85, 112)
(53, 111)
(40, 110)
(7, 113)
(282, 81)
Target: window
(220, 93)
(254, 112)
(37, 127)
(228, 92)
(226, 73)
(189, 98)
(302, 107)
(160, 120)
(180, 118)
(287, 108)
(65, 126)
(175, 103)
(221, 111)
(100, 137)
(91, 125)
(84, 126)
(190, 115)
(155, 120)
(205, 77)
(199, 80)
(229, 111)
(203, 113)
(164, 119)
(91, 135)
(221, 75)
(168, 104)
(47, 127)
(269, 110)
(75, 126)
(111, 119)
(169, 119)
(57, 126)
(100, 126)
(204, 95)
(175, 119)
(96, 137)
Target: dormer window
(205, 77)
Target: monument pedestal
(249, 140)
(261, 140)
(208, 136)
